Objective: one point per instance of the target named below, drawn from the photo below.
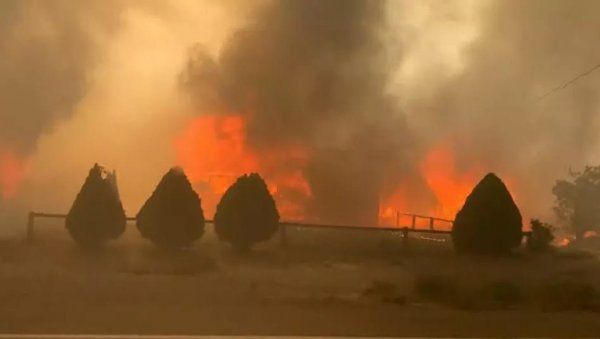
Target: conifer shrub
(97, 214)
(489, 222)
(247, 213)
(172, 217)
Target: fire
(213, 151)
(10, 174)
(449, 185)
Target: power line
(568, 83)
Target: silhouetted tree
(578, 200)
(247, 213)
(172, 217)
(97, 214)
(541, 236)
(489, 222)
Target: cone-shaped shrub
(172, 217)
(97, 214)
(489, 222)
(246, 213)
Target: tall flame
(213, 150)
(449, 185)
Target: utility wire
(568, 83)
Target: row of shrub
(172, 217)
(489, 222)
(553, 295)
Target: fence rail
(285, 224)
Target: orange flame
(10, 174)
(449, 185)
(213, 151)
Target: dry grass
(356, 283)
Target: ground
(322, 283)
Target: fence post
(414, 221)
(397, 218)
(431, 223)
(30, 221)
(405, 239)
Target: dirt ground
(316, 286)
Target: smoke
(364, 88)
(46, 50)
(490, 111)
(314, 74)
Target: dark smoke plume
(314, 73)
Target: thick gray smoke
(46, 51)
(492, 113)
(314, 73)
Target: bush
(541, 236)
(246, 213)
(568, 295)
(97, 214)
(501, 294)
(172, 217)
(385, 292)
(438, 288)
(489, 222)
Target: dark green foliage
(438, 288)
(578, 200)
(500, 294)
(97, 214)
(489, 222)
(541, 236)
(569, 295)
(385, 292)
(172, 217)
(446, 290)
(246, 213)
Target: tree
(172, 217)
(578, 200)
(97, 214)
(489, 222)
(247, 213)
(541, 236)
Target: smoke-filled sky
(368, 88)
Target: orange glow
(564, 241)
(390, 206)
(10, 174)
(213, 151)
(449, 185)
